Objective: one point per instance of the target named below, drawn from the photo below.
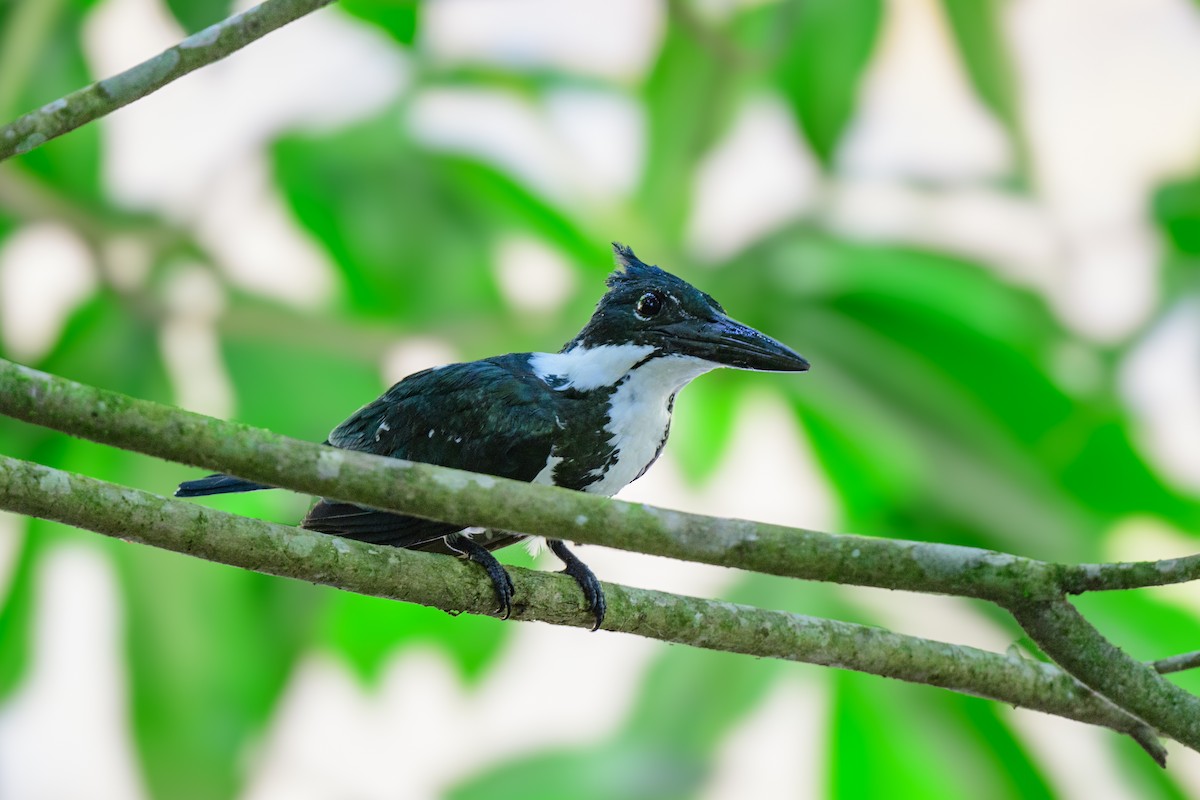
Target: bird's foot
(501, 582)
(583, 575)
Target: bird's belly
(628, 467)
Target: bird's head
(646, 305)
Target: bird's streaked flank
(592, 417)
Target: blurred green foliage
(937, 407)
(194, 15)
(820, 64)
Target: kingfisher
(592, 417)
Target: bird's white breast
(639, 415)
(639, 408)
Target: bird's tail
(217, 484)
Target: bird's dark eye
(648, 305)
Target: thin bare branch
(103, 97)
(1179, 663)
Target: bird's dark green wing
(487, 416)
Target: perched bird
(592, 417)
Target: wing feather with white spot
(492, 416)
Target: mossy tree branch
(446, 583)
(1030, 589)
(103, 97)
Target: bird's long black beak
(730, 343)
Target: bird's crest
(630, 267)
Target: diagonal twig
(1179, 663)
(103, 97)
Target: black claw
(593, 593)
(501, 580)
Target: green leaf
(1176, 207)
(406, 246)
(978, 32)
(16, 608)
(99, 327)
(932, 404)
(367, 631)
(294, 390)
(210, 650)
(508, 206)
(690, 100)
(731, 686)
(195, 15)
(923, 742)
(702, 425)
(658, 752)
(827, 50)
(72, 162)
(409, 245)
(398, 18)
(415, 233)
(630, 769)
(874, 464)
